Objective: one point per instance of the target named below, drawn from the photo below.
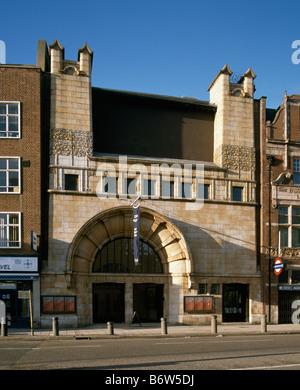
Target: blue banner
(136, 234)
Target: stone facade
(207, 242)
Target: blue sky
(165, 47)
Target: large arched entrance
(108, 284)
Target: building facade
(187, 165)
(23, 188)
(280, 200)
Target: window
(202, 288)
(10, 230)
(9, 120)
(110, 185)
(237, 193)
(214, 289)
(10, 175)
(203, 191)
(296, 171)
(167, 188)
(132, 186)
(149, 187)
(117, 257)
(289, 226)
(71, 182)
(186, 190)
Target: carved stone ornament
(71, 142)
(238, 157)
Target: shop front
(18, 276)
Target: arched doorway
(97, 262)
(109, 298)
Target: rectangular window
(132, 186)
(71, 182)
(167, 188)
(59, 304)
(283, 214)
(296, 171)
(149, 187)
(202, 288)
(214, 289)
(10, 230)
(9, 175)
(237, 193)
(186, 190)
(9, 120)
(289, 226)
(110, 185)
(203, 191)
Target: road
(259, 352)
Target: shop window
(9, 120)
(10, 236)
(197, 304)
(58, 304)
(9, 175)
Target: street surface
(250, 352)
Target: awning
(9, 276)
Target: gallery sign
(18, 264)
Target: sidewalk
(149, 330)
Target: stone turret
(234, 120)
(71, 114)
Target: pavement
(154, 330)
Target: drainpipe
(270, 160)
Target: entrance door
(235, 302)
(285, 300)
(108, 302)
(148, 301)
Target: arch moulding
(155, 229)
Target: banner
(136, 234)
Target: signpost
(278, 266)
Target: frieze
(238, 157)
(71, 142)
(284, 252)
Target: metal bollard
(55, 326)
(3, 327)
(164, 329)
(263, 323)
(214, 324)
(110, 328)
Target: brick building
(23, 182)
(189, 164)
(280, 206)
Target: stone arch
(157, 230)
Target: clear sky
(165, 47)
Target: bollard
(263, 323)
(213, 324)
(55, 326)
(110, 328)
(3, 327)
(164, 326)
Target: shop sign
(18, 264)
(288, 287)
